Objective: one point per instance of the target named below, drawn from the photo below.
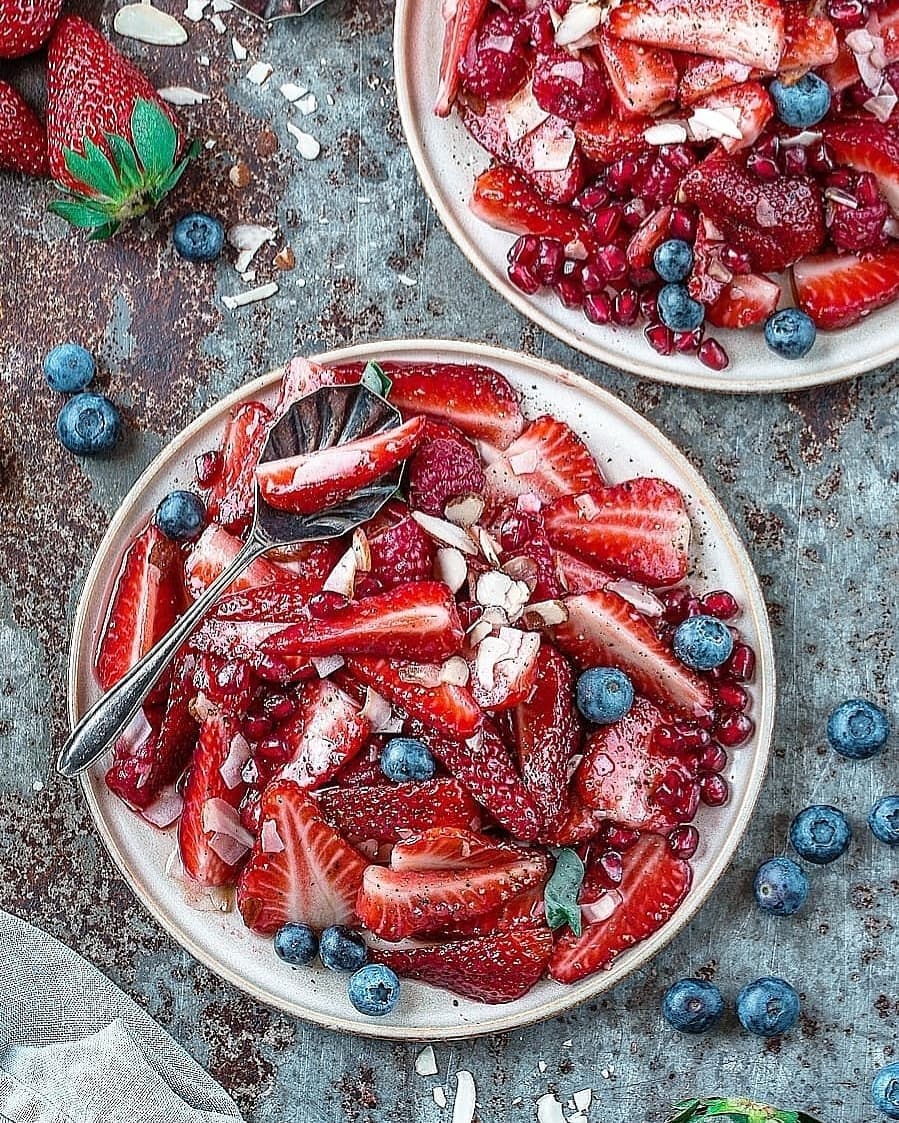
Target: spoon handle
(112, 714)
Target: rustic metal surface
(810, 479)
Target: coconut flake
(251, 296)
(238, 49)
(883, 105)
(490, 548)
(248, 238)
(549, 1110)
(149, 25)
(841, 198)
(451, 568)
(327, 664)
(466, 1097)
(259, 73)
(455, 671)
(668, 132)
(464, 511)
(578, 21)
(602, 908)
(307, 146)
(228, 848)
(523, 114)
(342, 578)
(292, 92)
(638, 595)
(182, 95)
(219, 817)
(548, 612)
(524, 463)
(491, 651)
(231, 769)
(446, 532)
(426, 1062)
(478, 631)
(712, 124)
(362, 550)
(376, 710)
(420, 674)
(800, 140)
(272, 843)
(165, 808)
(551, 151)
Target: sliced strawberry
(776, 221)
(301, 870)
(837, 290)
(302, 377)
(400, 549)
(528, 554)
(504, 668)
(212, 552)
(603, 630)
(811, 41)
(211, 840)
(620, 771)
(451, 848)
(747, 300)
(654, 884)
(579, 577)
(313, 481)
(580, 823)
(449, 709)
(702, 75)
(524, 910)
(287, 597)
(548, 734)
(651, 232)
(747, 31)
(237, 639)
(229, 500)
(460, 25)
(388, 812)
(548, 460)
(445, 466)
(609, 139)
(868, 146)
(639, 529)
(503, 198)
(395, 904)
(146, 600)
(754, 106)
(325, 732)
(484, 765)
(490, 969)
(644, 79)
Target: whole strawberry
(23, 144)
(25, 25)
(114, 145)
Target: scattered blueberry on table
(89, 425)
(181, 516)
(780, 886)
(790, 333)
(768, 1007)
(404, 759)
(692, 1005)
(883, 819)
(604, 695)
(885, 1091)
(820, 834)
(68, 368)
(198, 237)
(296, 944)
(342, 949)
(374, 990)
(703, 642)
(858, 729)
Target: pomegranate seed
(649, 304)
(547, 267)
(713, 355)
(666, 740)
(597, 308)
(692, 737)
(208, 466)
(592, 277)
(686, 342)
(626, 309)
(612, 261)
(660, 338)
(713, 789)
(522, 278)
(765, 167)
(592, 198)
(713, 758)
(570, 291)
(737, 261)
(279, 707)
(635, 211)
(706, 721)
(675, 601)
(606, 222)
(741, 665)
(819, 157)
(256, 727)
(847, 14)
(795, 160)
(732, 697)
(682, 224)
(688, 801)
(720, 603)
(734, 729)
(621, 838)
(622, 174)
(642, 276)
(768, 146)
(611, 868)
(684, 841)
(524, 251)
(324, 604)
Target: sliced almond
(455, 671)
(149, 25)
(446, 532)
(452, 568)
(547, 612)
(362, 550)
(464, 511)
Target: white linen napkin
(76, 1049)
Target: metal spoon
(330, 416)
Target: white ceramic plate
(626, 445)
(448, 160)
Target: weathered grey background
(810, 479)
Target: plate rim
(597, 983)
(583, 344)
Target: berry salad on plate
(480, 743)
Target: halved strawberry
(603, 630)
(503, 198)
(610, 138)
(579, 824)
(747, 31)
(395, 904)
(837, 290)
(702, 75)
(548, 734)
(576, 576)
(146, 601)
(639, 529)
(811, 41)
(868, 146)
(415, 621)
(644, 79)
(489, 969)
(229, 500)
(651, 232)
(548, 460)
(312, 481)
(212, 552)
(212, 842)
(524, 910)
(654, 884)
(776, 221)
(388, 812)
(754, 106)
(302, 377)
(451, 848)
(400, 549)
(747, 300)
(449, 709)
(461, 21)
(324, 733)
(301, 870)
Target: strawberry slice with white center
(702, 75)
(418, 690)
(753, 106)
(313, 481)
(395, 904)
(747, 31)
(548, 460)
(302, 377)
(749, 299)
(837, 290)
(523, 911)
(450, 848)
(868, 146)
(325, 732)
(503, 198)
(639, 529)
(229, 500)
(603, 630)
(811, 41)
(213, 552)
(389, 812)
(301, 870)
(577, 576)
(644, 79)
(609, 138)
(415, 621)
(462, 18)
(147, 599)
(490, 969)
(654, 884)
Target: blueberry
(673, 259)
(780, 886)
(198, 237)
(678, 310)
(692, 1005)
(296, 944)
(604, 694)
(703, 642)
(404, 759)
(181, 515)
(883, 819)
(858, 729)
(342, 949)
(790, 333)
(374, 990)
(89, 425)
(820, 834)
(68, 368)
(885, 1091)
(801, 103)
(768, 1007)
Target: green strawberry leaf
(804, 1117)
(374, 378)
(687, 1110)
(155, 140)
(93, 170)
(83, 213)
(561, 892)
(125, 162)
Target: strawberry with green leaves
(115, 147)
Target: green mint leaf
(561, 892)
(125, 161)
(82, 213)
(374, 378)
(155, 139)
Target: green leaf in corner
(374, 379)
(561, 892)
(155, 139)
(686, 1111)
(86, 214)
